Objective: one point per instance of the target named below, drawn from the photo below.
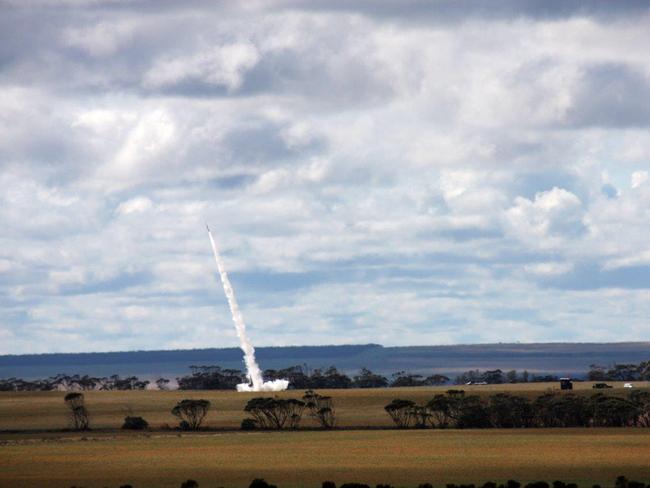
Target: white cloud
(547, 221)
(639, 178)
(368, 177)
(223, 65)
(134, 205)
(101, 39)
(549, 268)
(147, 143)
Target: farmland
(354, 407)
(34, 448)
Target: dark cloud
(115, 284)
(609, 191)
(611, 95)
(591, 276)
(262, 143)
(233, 181)
(444, 11)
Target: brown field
(292, 459)
(354, 407)
(35, 452)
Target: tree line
(451, 410)
(455, 409)
(267, 413)
(77, 382)
(620, 372)
(302, 378)
(620, 482)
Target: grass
(35, 452)
(292, 459)
(354, 407)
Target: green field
(34, 451)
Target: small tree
(439, 409)
(368, 379)
(78, 411)
(437, 379)
(401, 411)
(191, 413)
(321, 408)
(275, 413)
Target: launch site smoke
(253, 371)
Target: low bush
(135, 423)
(260, 483)
(249, 424)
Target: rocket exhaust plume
(256, 382)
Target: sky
(396, 172)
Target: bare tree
(78, 411)
(191, 413)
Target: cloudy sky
(404, 173)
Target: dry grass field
(293, 459)
(35, 452)
(354, 407)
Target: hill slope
(556, 358)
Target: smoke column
(252, 368)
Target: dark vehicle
(601, 386)
(566, 384)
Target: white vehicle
(628, 385)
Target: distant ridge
(556, 358)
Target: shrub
(249, 424)
(135, 423)
(537, 484)
(328, 484)
(260, 483)
(189, 484)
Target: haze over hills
(571, 359)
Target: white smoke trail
(252, 368)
